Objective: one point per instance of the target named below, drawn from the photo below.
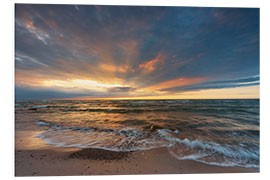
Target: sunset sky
(84, 51)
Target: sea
(222, 132)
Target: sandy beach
(33, 157)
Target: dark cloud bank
(64, 41)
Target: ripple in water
(218, 132)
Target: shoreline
(36, 158)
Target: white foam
(229, 164)
(216, 148)
(131, 139)
(42, 123)
(193, 156)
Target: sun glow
(175, 83)
(227, 93)
(80, 84)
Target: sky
(136, 52)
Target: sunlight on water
(220, 132)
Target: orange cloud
(175, 83)
(152, 64)
(107, 67)
(29, 25)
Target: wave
(126, 131)
(140, 102)
(213, 153)
(49, 106)
(230, 163)
(110, 110)
(131, 105)
(212, 147)
(132, 139)
(39, 106)
(239, 133)
(227, 163)
(198, 109)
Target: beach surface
(33, 157)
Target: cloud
(39, 34)
(182, 81)
(44, 93)
(153, 64)
(232, 83)
(144, 50)
(121, 89)
(237, 81)
(112, 68)
(22, 57)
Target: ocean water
(218, 132)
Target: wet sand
(33, 157)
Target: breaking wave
(132, 139)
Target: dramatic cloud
(153, 64)
(250, 81)
(67, 51)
